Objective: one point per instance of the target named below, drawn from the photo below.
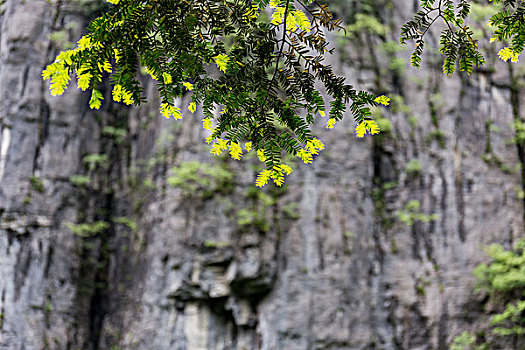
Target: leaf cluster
(457, 43)
(254, 79)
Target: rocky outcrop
(118, 230)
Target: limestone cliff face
(108, 240)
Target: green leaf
(96, 99)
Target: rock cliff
(119, 231)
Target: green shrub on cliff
(503, 280)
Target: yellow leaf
(151, 73)
(221, 61)
(235, 150)
(384, 100)
(83, 80)
(46, 74)
(331, 123)
(117, 93)
(360, 130)
(507, 53)
(314, 146)
(164, 110)
(261, 155)
(192, 107)
(117, 55)
(277, 16)
(262, 178)
(106, 66)
(291, 22)
(170, 111)
(85, 42)
(65, 56)
(301, 20)
(188, 86)
(287, 169)
(59, 79)
(218, 147)
(207, 124)
(96, 99)
(252, 13)
(127, 97)
(277, 176)
(318, 144)
(209, 139)
(306, 156)
(373, 127)
(56, 89)
(166, 77)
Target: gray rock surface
(325, 263)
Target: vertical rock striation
(106, 242)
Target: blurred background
(119, 230)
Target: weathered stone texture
(328, 264)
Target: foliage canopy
(254, 75)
